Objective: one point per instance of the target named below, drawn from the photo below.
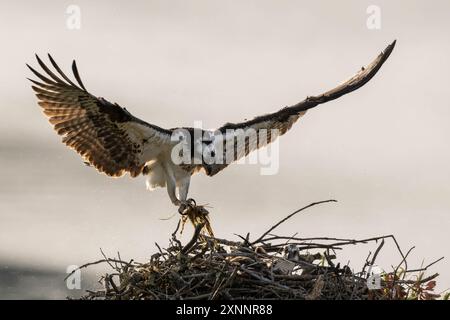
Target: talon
(182, 209)
(185, 205)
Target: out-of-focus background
(382, 151)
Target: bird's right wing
(104, 134)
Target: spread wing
(106, 135)
(265, 129)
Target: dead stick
(190, 244)
(108, 260)
(288, 217)
(376, 253)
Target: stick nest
(270, 267)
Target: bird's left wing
(237, 140)
(104, 134)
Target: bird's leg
(171, 189)
(183, 188)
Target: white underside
(164, 173)
(156, 177)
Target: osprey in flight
(115, 142)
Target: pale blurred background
(382, 151)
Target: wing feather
(62, 74)
(278, 123)
(77, 75)
(104, 134)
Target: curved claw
(182, 209)
(188, 204)
(191, 202)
